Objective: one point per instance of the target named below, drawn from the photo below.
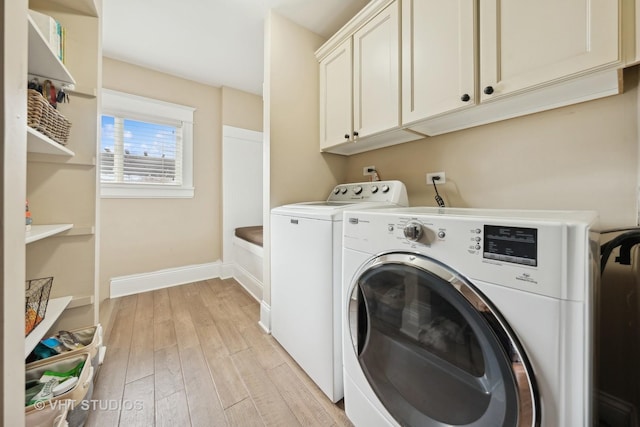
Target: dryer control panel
(518, 245)
(541, 256)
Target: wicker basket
(37, 297)
(42, 117)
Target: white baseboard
(227, 270)
(248, 281)
(138, 283)
(265, 317)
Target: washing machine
(306, 276)
(466, 317)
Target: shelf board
(55, 307)
(43, 231)
(84, 92)
(83, 7)
(42, 61)
(39, 143)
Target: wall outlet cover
(431, 175)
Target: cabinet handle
(488, 90)
(346, 136)
(465, 97)
(355, 133)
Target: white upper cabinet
(524, 44)
(336, 92)
(438, 57)
(360, 83)
(428, 67)
(376, 72)
(469, 62)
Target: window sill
(129, 191)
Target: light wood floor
(195, 355)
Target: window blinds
(140, 152)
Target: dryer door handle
(358, 319)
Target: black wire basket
(37, 293)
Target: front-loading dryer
(466, 317)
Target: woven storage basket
(42, 117)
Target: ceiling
(215, 42)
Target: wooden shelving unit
(53, 167)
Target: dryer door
(434, 350)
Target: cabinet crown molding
(369, 11)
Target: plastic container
(71, 400)
(91, 338)
(47, 417)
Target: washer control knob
(374, 189)
(441, 234)
(413, 231)
(357, 190)
(385, 188)
(336, 190)
(344, 190)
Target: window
(146, 147)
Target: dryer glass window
(405, 310)
(429, 354)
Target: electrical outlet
(430, 177)
(366, 169)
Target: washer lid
(320, 205)
(324, 210)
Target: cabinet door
(527, 43)
(438, 61)
(376, 68)
(336, 89)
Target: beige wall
(582, 156)
(299, 172)
(295, 168)
(241, 109)
(146, 235)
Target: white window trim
(139, 107)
